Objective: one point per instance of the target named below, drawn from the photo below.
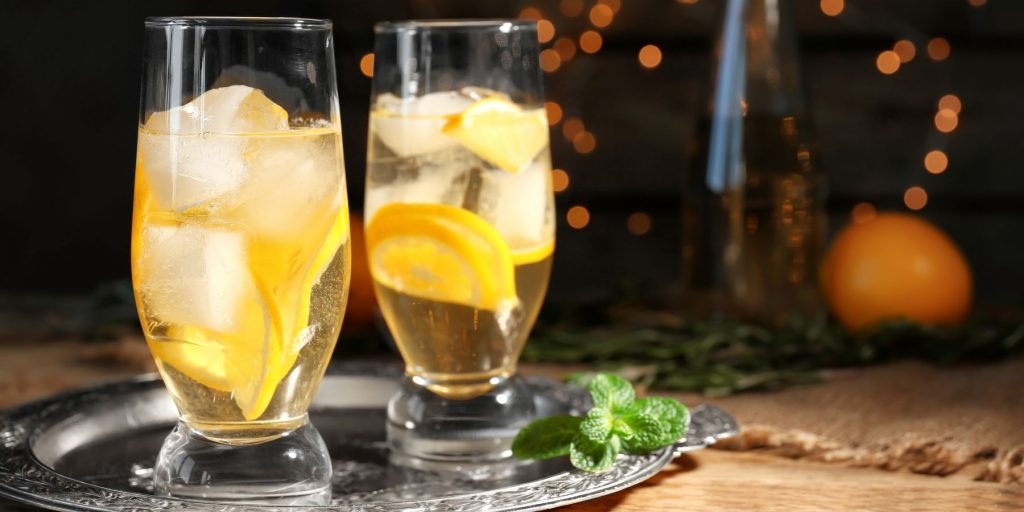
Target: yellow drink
(460, 233)
(240, 261)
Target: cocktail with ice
(459, 226)
(240, 259)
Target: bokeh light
(938, 49)
(578, 217)
(888, 62)
(936, 161)
(554, 111)
(832, 7)
(566, 48)
(863, 212)
(591, 41)
(615, 5)
(915, 198)
(946, 120)
(550, 60)
(572, 127)
(601, 15)
(650, 56)
(977, 3)
(366, 65)
(639, 223)
(584, 143)
(545, 30)
(571, 8)
(559, 180)
(905, 50)
(531, 13)
(950, 102)
(687, 2)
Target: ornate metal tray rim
(27, 479)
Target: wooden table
(707, 480)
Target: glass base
(293, 469)
(424, 427)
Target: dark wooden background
(69, 85)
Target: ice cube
(194, 275)
(520, 211)
(440, 178)
(412, 126)
(290, 181)
(232, 109)
(188, 154)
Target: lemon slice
(500, 132)
(532, 254)
(442, 253)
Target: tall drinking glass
(240, 254)
(459, 226)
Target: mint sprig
(618, 422)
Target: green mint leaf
(622, 429)
(611, 392)
(649, 434)
(594, 456)
(546, 438)
(597, 425)
(672, 415)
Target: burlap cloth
(900, 417)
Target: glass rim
(241, 22)
(504, 25)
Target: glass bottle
(754, 217)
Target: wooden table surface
(706, 480)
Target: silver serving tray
(93, 449)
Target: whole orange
(896, 265)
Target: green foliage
(724, 357)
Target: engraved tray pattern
(36, 438)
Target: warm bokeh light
(366, 65)
(832, 7)
(615, 5)
(559, 180)
(687, 2)
(590, 41)
(531, 13)
(566, 48)
(584, 143)
(545, 30)
(905, 50)
(977, 3)
(888, 62)
(938, 49)
(572, 127)
(639, 223)
(650, 56)
(915, 198)
(601, 15)
(946, 120)
(950, 102)
(554, 112)
(550, 60)
(571, 8)
(936, 161)
(863, 212)
(578, 217)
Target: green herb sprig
(618, 423)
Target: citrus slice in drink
(500, 132)
(442, 253)
(525, 255)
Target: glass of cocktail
(459, 226)
(240, 254)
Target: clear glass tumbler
(240, 253)
(460, 227)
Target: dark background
(69, 80)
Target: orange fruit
(896, 266)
